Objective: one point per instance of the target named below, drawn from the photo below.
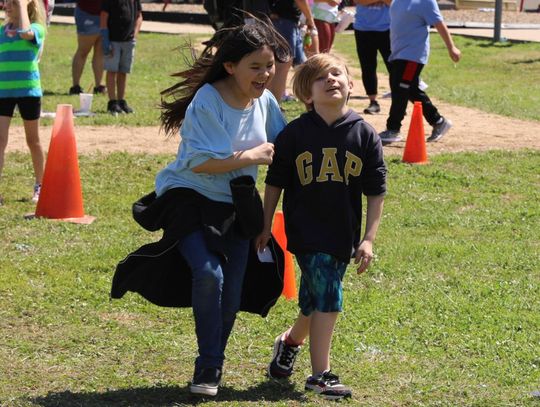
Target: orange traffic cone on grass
(289, 279)
(61, 193)
(415, 147)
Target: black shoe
(75, 90)
(113, 107)
(373, 108)
(206, 381)
(328, 385)
(440, 129)
(99, 90)
(124, 106)
(283, 358)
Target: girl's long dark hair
(227, 45)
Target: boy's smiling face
(331, 88)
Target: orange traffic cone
(289, 279)
(61, 193)
(415, 147)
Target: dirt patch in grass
(472, 130)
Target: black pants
(368, 43)
(404, 79)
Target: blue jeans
(216, 290)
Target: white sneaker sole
(204, 390)
(391, 140)
(320, 391)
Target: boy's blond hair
(36, 12)
(309, 71)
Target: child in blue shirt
(228, 121)
(409, 38)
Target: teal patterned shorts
(320, 284)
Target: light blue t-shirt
(409, 28)
(213, 129)
(375, 17)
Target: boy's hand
(455, 54)
(261, 241)
(363, 256)
(105, 42)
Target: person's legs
(278, 84)
(31, 130)
(121, 79)
(323, 275)
(366, 50)
(97, 62)
(216, 290)
(84, 45)
(111, 85)
(429, 110)
(30, 110)
(124, 68)
(326, 35)
(320, 340)
(403, 75)
(4, 132)
(236, 250)
(207, 284)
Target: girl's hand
(262, 154)
(261, 241)
(363, 256)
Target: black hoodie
(324, 170)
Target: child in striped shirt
(21, 37)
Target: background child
(325, 15)
(120, 22)
(372, 36)
(228, 122)
(21, 37)
(409, 38)
(324, 161)
(87, 21)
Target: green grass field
(447, 315)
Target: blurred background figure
(372, 35)
(88, 39)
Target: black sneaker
(113, 107)
(373, 108)
(75, 90)
(283, 359)
(99, 90)
(206, 381)
(124, 106)
(328, 385)
(390, 136)
(440, 129)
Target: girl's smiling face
(250, 76)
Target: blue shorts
(320, 285)
(87, 24)
(122, 56)
(290, 31)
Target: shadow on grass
(167, 395)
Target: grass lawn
(448, 314)
(502, 79)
